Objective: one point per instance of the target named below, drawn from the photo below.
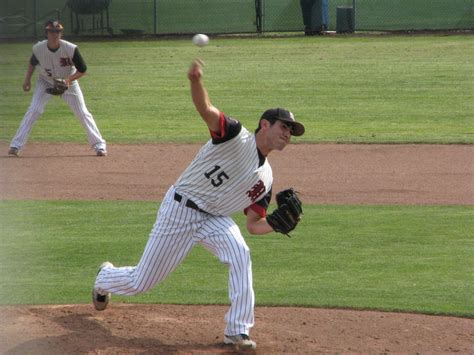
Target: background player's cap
(297, 129)
(53, 26)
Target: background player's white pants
(176, 230)
(73, 96)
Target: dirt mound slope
(156, 329)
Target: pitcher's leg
(170, 241)
(73, 96)
(38, 102)
(160, 257)
(228, 244)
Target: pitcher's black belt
(189, 203)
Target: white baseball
(200, 40)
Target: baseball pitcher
(230, 173)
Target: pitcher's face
(278, 135)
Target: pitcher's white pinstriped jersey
(56, 64)
(226, 177)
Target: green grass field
(372, 90)
(406, 258)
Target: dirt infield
(343, 174)
(336, 174)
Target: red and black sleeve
(228, 127)
(261, 206)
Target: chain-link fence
(25, 18)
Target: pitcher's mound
(153, 329)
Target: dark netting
(25, 18)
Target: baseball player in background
(230, 173)
(58, 60)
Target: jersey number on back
(219, 178)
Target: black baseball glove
(58, 88)
(285, 218)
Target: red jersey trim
(262, 212)
(222, 134)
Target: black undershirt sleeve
(79, 62)
(33, 60)
(265, 202)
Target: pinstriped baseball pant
(73, 96)
(175, 232)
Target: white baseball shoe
(101, 152)
(14, 151)
(242, 341)
(101, 301)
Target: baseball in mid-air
(200, 40)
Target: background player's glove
(59, 87)
(285, 218)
